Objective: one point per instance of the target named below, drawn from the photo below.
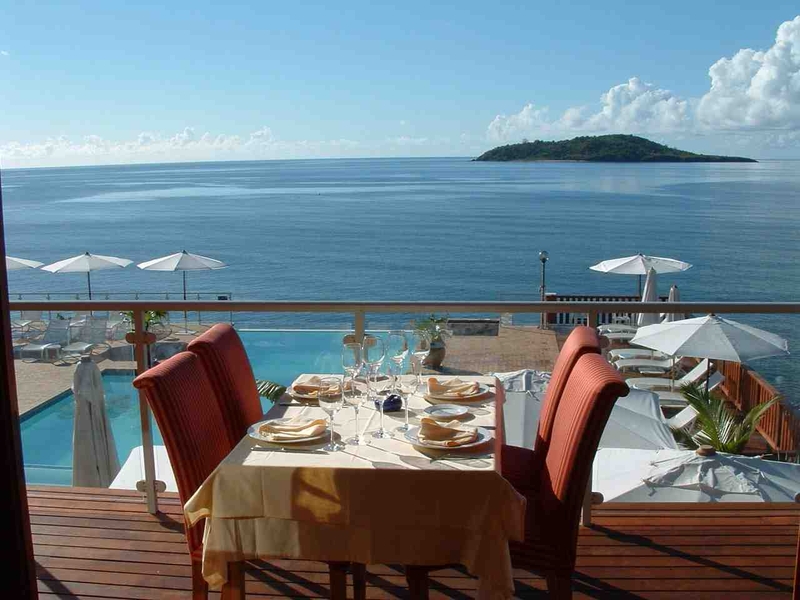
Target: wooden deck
(103, 544)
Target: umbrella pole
(89, 281)
(185, 317)
(672, 375)
(640, 287)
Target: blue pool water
(47, 432)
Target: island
(600, 148)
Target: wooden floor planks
(102, 544)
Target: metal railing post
(359, 325)
(141, 339)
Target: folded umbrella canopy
(86, 263)
(650, 294)
(674, 296)
(16, 264)
(640, 264)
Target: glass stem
(382, 417)
(333, 429)
(358, 430)
(408, 397)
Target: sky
(108, 83)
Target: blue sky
(84, 83)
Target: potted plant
(435, 327)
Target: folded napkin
(455, 388)
(307, 386)
(446, 435)
(294, 429)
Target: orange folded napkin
(294, 429)
(307, 386)
(455, 388)
(448, 435)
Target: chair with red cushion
(224, 358)
(518, 463)
(187, 413)
(555, 492)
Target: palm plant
(717, 425)
(269, 389)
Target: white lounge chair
(619, 336)
(48, 348)
(623, 353)
(649, 383)
(674, 399)
(91, 335)
(684, 419)
(616, 328)
(647, 364)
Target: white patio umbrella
(182, 261)
(94, 455)
(17, 264)
(650, 294)
(640, 264)
(686, 476)
(86, 263)
(674, 296)
(711, 337)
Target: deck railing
(746, 389)
(579, 318)
(592, 309)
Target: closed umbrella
(640, 264)
(674, 296)
(86, 263)
(182, 261)
(692, 476)
(650, 294)
(17, 264)
(94, 455)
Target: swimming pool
(47, 430)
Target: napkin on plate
(307, 386)
(455, 388)
(448, 435)
(294, 429)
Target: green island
(601, 148)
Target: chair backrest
(224, 358)
(96, 330)
(695, 374)
(683, 419)
(31, 315)
(581, 341)
(57, 332)
(188, 416)
(586, 402)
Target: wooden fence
(746, 389)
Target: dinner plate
(483, 393)
(446, 412)
(254, 433)
(484, 435)
(294, 394)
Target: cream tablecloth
(383, 503)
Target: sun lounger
(619, 336)
(684, 419)
(91, 335)
(623, 353)
(650, 364)
(616, 328)
(48, 348)
(649, 383)
(676, 399)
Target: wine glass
(331, 401)
(397, 349)
(351, 357)
(420, 348)
(354, 395)
(405, 395)
(373, 353)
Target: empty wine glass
(420, 348)
(397, 349)
(331, 401)
(405, 395)
(351, 357)
(354, 395)
(373, 353)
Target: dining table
(388, 502)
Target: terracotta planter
(435, 357)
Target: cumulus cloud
(751, 91)
(5, 53)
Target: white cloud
(754, 91)
(5, 53)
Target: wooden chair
(555, 492)
(224, 358)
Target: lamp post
(543, 256)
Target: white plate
(446, 412)
(254, 433)
(484, 435)
(483, 392)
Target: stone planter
(435, 357)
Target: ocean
(418, 229)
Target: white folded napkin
(455, 388)
(307, 386)
(297, 428)
(447, 435)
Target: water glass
(331, 401)
(379, 396)
(351, 357)
(405, 395)
(373, 352)
(354, 395)
(420, 348)
(397, 349)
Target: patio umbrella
(94, 455)
(674, 296)
(182, 261)
(86, 263)
(640, 264)
(687, 476)
(650, 294)
(16, 264)
(711, 337)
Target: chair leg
(338, 578)
(199, 585)
(417, 578)
(359, 572)
(559, 586)
(234, 588)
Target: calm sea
(409, 229)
